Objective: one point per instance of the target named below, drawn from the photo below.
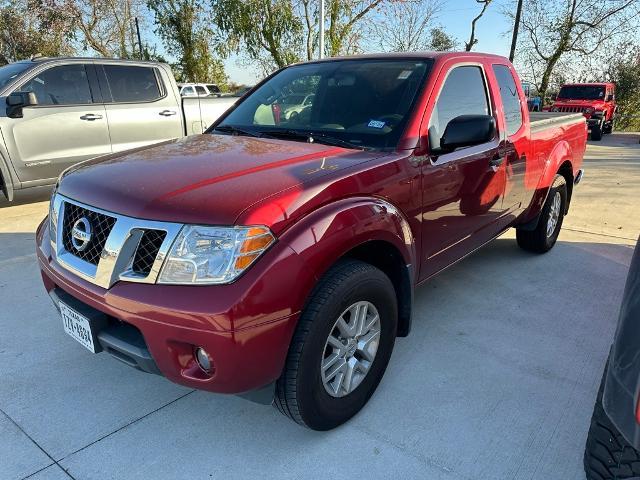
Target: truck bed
(545, 120)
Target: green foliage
(267, 32)
(29, 27)
(183, 27)
(625, 73)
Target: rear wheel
(608, 455)
(341, 347)
(544, 236)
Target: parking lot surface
(496, 381)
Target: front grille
(147, 251)
(101, 226)
(571, 109)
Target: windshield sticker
(404, 74)
(376, 124)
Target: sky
(493, 32)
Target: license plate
(77, 326)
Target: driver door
(66, 127)
(462, 191)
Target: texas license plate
(77, 326)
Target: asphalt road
(496, 381)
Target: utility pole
(321, 29)
(139, 40)
(516, 26)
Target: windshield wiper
(311, 137)
(236, 131)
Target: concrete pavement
(496, 381)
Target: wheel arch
(368, 229)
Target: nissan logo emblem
(81, 234)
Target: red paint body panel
(320, 202)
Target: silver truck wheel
(554, 214)
(350, 349)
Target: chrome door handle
(90, 117)
(167, 113)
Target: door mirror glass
(16, 101)
(467, 130)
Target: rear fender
(560, 154)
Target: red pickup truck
(277, 257)
(596, 101)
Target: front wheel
(544, 236)
(597, 131)
(341, 347)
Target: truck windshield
(363, 103)
(10, 72)
(582, 92)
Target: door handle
(167, 113)
(90, 117)
(496, 161)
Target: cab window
(510, 98)
(464, 93)
(62, 85)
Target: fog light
(204, 362)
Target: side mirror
(609, 98)
(16, 101)
(467, 130)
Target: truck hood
(204, 179)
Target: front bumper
(246, 326)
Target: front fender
(328, 233)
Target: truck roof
(588, 84)
(38, 60)
(416, 55)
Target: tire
(540, 240)
(301, 393)
(607, 455)
(596, 132)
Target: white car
(199, 90)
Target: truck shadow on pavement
(505, 354)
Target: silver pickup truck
(55, 112)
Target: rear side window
(510, 98)
(62, 85)
(128, 83)
(463, 93)
(213, 88)
(201, 91)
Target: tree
(625, 73)
(183, 27)
(29, 27)
(107, 26)
(554, 29)
(345, 16)
(404, 26)
(440, 41)
(267, 32)
(472, 36)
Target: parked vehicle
(596, 101)
(199, 90)
(241, 91)
(278, 260)
(613, 443)
(55, 112)
(534, 101)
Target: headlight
(213, 255)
